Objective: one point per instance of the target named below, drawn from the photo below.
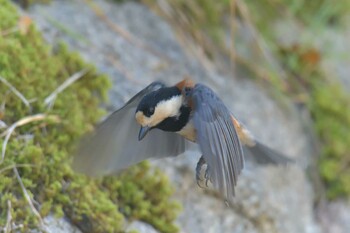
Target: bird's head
(157, 106)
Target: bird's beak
(143, 131)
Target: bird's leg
(199, 166)
(207, 176)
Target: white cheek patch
(163, 110)
(169, 108)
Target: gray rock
(334, 217)
(269, 199)
(60, 225)
(57, 225)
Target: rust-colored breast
(244, 135)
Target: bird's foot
(207, 176)
(199, 166)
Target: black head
(157, 106)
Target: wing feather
(231, 160)
(114, 145)
(218, 139)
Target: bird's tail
(265, 155)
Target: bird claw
(199, 166)
(200, 163)
(207, 176)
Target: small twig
(259, 41)
(8, 227)
(122, 69)
(16, 165)
(16, 92)
(181, 23)
(9, 31)
(29, 200)
(48, 100)
(124, 33)
(23, 121)
(3, 103)
(233, 30)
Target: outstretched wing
(114, 145)
(218, 139)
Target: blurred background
(282, 66)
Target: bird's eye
(151, 110)
(187, 91)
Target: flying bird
(159, 121)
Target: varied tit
(158, 121)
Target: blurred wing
(134, 101)
(115, 146)
(218, 140)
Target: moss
(329, 105)
(137, 198)
(41, 149)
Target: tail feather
(265, 155)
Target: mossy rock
(41, 150)
(331, 110)
(329, 105)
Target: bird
(160, 121)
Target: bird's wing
(114, 145)
(218, 139)
(256, 150)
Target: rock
(58, 225)
(269, 199)
(334, 217)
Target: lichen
(41, 150)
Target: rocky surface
(61, 225)
(134, 47)
(334, 217)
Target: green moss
(318, 12)
(145, 198)
(330, 107)
(41, 149)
